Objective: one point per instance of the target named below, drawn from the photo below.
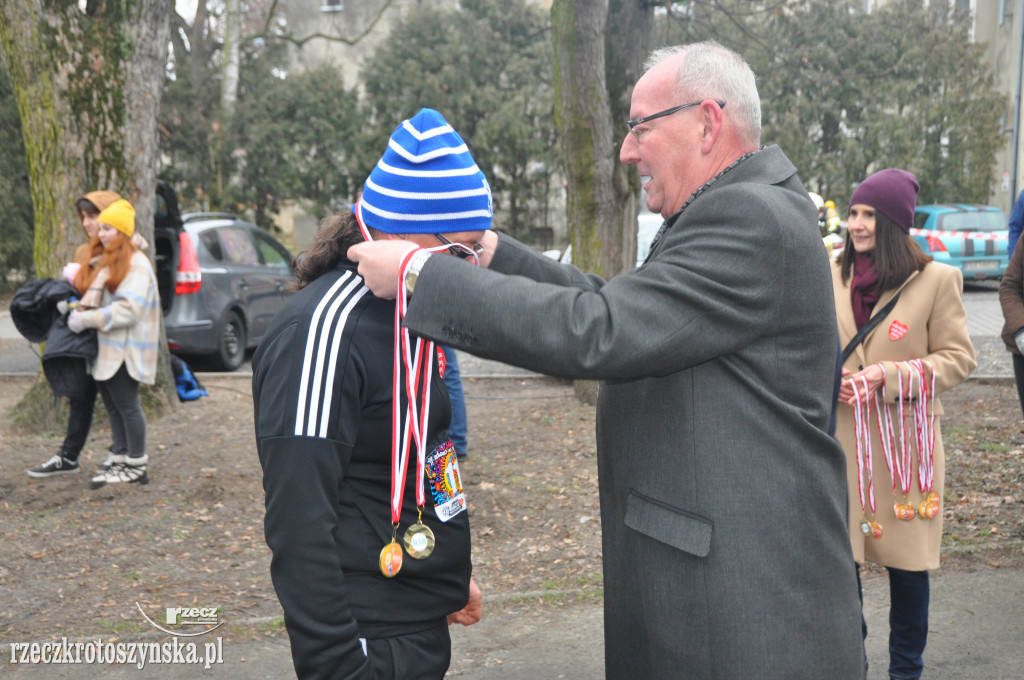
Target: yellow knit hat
(120, 215)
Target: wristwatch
(415, 266)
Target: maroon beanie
(892, 192)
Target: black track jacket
(322, 396)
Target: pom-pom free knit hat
(120, 215)
(426, 182)
(892, 192)
(100, 199)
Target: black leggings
(127, 421)
(79, 420)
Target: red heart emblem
(897, 330)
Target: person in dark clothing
(335, 422)
(459, 427)
(82, 401)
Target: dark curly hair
(334, 236)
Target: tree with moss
(16, 245)
(599, 50)
(88, 83)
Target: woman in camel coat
(918, 350)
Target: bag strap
(869, 326)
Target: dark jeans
(127, 421)
(1018, 374)
(79, 420)
(909, 593)
(453, 381)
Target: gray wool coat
(723, 497)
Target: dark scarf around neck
(863, 288)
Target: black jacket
(322, 396)
(65, 355)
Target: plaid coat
(128, 324)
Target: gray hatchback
(229, 280)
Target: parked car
(221, 281)
(972, 238)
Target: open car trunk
(167, 227)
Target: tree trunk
(594, 77)
(88, 86)
(626, 49)
(583, 120)
(229, 79)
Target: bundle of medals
(916, 388)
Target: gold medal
(865, 527)
(391, 559)
(876, 530)
(418, 541)
(904, 511)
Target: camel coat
(929, 323)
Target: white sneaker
(131, 471)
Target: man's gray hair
(707, 70)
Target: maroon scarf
(863, 288)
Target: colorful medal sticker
(442, 469)
(391, 559)
(904, 511)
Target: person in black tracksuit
(322, 392)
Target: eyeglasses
(667, 112)
(461, 250)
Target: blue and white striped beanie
(426, 182)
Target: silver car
(222, 280)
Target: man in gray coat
(723, 497)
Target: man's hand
(473, 610)
(379, 263)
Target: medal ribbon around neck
(417, 359)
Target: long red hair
(117, 259)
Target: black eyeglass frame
(667, 112)
(460, 250)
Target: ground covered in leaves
(78, 562)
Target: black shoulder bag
(869, 326)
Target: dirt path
(74, 562)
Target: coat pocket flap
(677, 528)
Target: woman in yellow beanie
(121, 302)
